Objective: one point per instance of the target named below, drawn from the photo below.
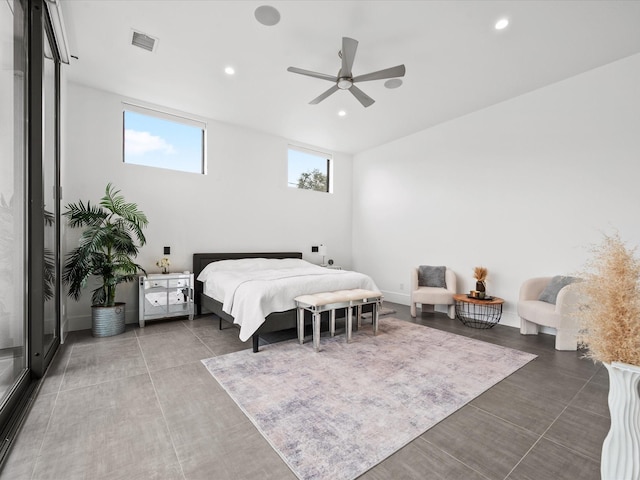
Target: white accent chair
(562, 316)
(434, 295)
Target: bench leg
(316, 331)
(332, 322)
(349, 325)
(300, 325)
(359, 310)
(374, 316)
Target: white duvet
(252, 288)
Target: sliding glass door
(42, 190)
(29, 206)
(14, 373)
(50, 189)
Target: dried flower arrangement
(610, 322)
(480, 274)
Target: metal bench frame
(348, 301)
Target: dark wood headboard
(201, 260)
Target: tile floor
(141, 405)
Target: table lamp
(322, 250)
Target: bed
(262, 302)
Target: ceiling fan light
(344, 83)
(267, 15)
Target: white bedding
(252, 288)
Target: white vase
(621, 449)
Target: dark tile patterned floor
(141, 405)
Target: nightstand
(165, 295)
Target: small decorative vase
(621, 447)
(165, 270)
(480, 287)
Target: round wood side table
(476, 312)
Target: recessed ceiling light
(393, 83)
(229, 70)
(267, 15)
(342, 113)
(502, 24)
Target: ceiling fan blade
(321, 97)
(362, 97)
(349, 47)
(309, 73)
(392, 72)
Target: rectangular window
(309, 169)
(162, 140)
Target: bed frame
(274, 322)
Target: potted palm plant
(106, 250)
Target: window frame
(320, 154)
(171, 117)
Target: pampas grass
(610, 322)
(480, 274)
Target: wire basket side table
(478, 313)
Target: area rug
(337, 413)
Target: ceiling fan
(345, 79)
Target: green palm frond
(130, 217)
(80, 215)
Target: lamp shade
(322, 249)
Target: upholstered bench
(317, 303)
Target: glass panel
(12, 205)
(49, 174)
(160, 142)
(309, 170)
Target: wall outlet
(167, 250)
(402, 286)
(314, 249)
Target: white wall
(523, 188)
(242, 205)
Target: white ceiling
(456, 62)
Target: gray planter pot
(107, 321)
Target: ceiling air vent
(143, 41)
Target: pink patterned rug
(337, 413)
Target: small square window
(158, 139)
(309, 170)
